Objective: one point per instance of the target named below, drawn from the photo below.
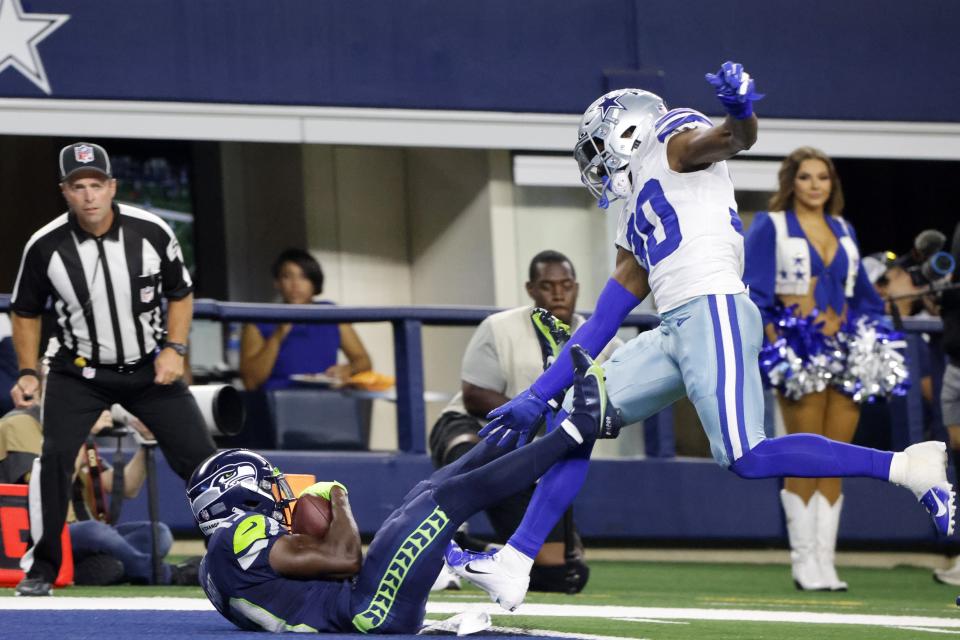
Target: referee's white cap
(83, 156)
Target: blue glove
(735, 89)
(513, 423)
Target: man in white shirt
(505, 355)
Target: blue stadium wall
(687, 501)
(859, 59)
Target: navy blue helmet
(237, 481)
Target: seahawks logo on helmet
(237, 481)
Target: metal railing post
(411, 414)
(915, 393)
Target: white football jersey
(682, 227)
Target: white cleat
(485, 571)
(926, 476)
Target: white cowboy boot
(949, 575)
(828, 521)
(801, 528)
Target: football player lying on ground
(259, 576)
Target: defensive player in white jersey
(679, 235)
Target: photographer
(950, 394)
(112, 553)
(914, 282)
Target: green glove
(321, 489)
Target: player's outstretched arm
(698, 148)
(337, 555)
(624, 291)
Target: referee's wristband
(28, 372)
(178, 347)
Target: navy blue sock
(462, 495)
(804, 455)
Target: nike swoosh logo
(680, 321)
(467, 568)
(941, 508)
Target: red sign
(15, 534)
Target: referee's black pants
(71, 405)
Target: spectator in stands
(950, 394)
(503, 358)
(270, 353)
(804, 253)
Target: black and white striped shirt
(106, 291)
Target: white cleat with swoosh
(926, 476)
(485, 570)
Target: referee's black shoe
(34, 587)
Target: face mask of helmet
(612, 132)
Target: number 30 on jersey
(640, 230)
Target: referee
(105, 266)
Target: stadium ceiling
(547, 133)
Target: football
(311, 516)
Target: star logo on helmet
(611, 102)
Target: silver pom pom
(875, 364)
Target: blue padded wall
(679, 499)
(859, 59)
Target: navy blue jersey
(238, 579)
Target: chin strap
(604, 202)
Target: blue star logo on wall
(20, 33)
(609, 103)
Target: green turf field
(903, 591)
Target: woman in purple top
(271, 353)
(804, 253)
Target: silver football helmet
(611, 131)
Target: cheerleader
(803, 255)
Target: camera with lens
(927, 263)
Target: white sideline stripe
(559, 634)
(546, 610)
(742, 615)
(67, 603)
(650, 620)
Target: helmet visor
(281, 488)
